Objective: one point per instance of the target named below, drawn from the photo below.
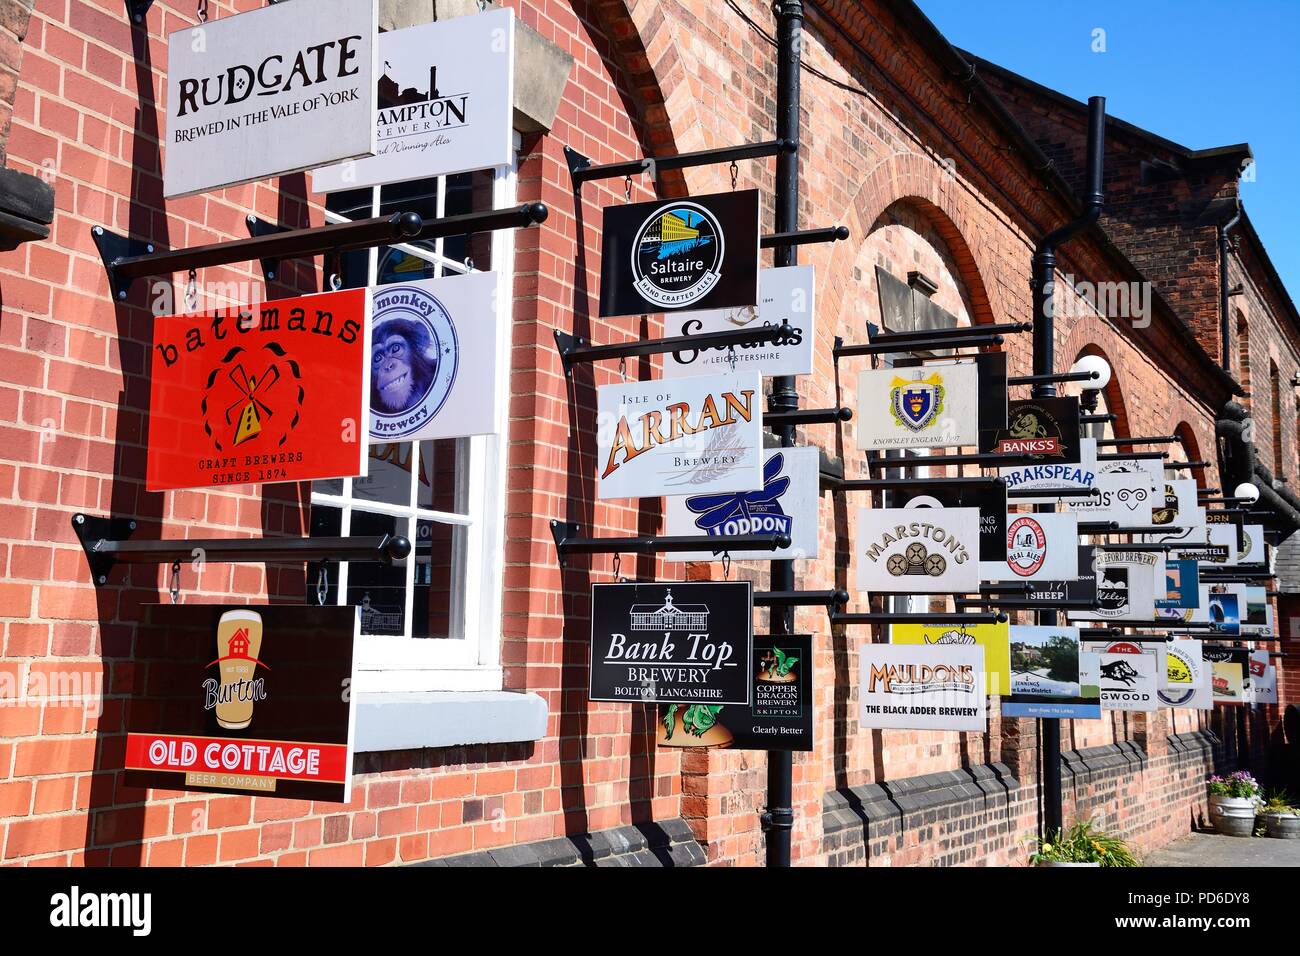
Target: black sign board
(991, 500)
(239, 699)
(696, 253)
(672, 642)
(1054, 592)
(780, 717)
(1236, 520)
(992, 370)
(1038, 430)
(897, 312)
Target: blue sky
(1196, 72)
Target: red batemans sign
(274, 392)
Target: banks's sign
(1038, 430)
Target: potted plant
(1281, 819)
(1082, 845)
(1238, 796)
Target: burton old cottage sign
(274, 91)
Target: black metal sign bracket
(257, 226)
(807, 416)
(904, 343)
(805, 237)
(567, 542)
(136, 9)
(944, 617)
(581, 169)
(800, 598)
(575, 349)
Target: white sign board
(1146, 473)
(435, 366)
(1254, 552)
(1265, 686)
(1179, 508)
(1126, 586)
(922, 687)
(1121, 499)
(1055, 477)
(918, 551)
(786, 504)
(784, 296)
(274, 91)
(445, 103)
(924, 406)
(1128, 682)
(1040, 547)
(696, 436)
(1187, 677)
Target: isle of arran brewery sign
(271, 393)
(672, 642)
(697, 253)
(273, 91)
(690, 436)
(241, 699)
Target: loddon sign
(672, 642)
(273, 91)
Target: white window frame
(406, 664)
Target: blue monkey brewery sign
(697, 253)
(672, 642)
(434, 359)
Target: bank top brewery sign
(433, 359)
(253, 395)
(993, 638)
(445, 103)
(273, 91)
(922, 687)
(991, 501)
(928, 406)
(780, 716)
(918, 550)
(238, 699)
(691, 436)
(1187, 682)
(672, 642)
(1049, 475)
(697, 253)
(1040, 547)
(785, 504)
(1046, 678)
(1126, 586)
(1038, 430)
(785, 296)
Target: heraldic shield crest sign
(917, 404)
(933, 406)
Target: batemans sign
(271, 393)
(672, 642)
(697, 253)
(240, 699)
(277, 90)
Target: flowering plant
(1240, 785)
(1083, 844)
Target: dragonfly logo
(749, 512)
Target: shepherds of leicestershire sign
(273, 91)
(672, 642)
(242, 699)
(271, 393)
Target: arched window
(1275, 383)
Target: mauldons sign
(271, 393)
(274, 91)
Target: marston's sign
(672, 643)
(269, 92)
(920, 687)
(241, 699)
(699, 435)
(918, 550)
(989, 499)
(276, 392)
(696, 253)
(445, 103)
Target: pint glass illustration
(239, 640)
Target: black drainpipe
(1225, 250)
(1043, 285)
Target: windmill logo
(252, 396)
(750, 512)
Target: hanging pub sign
(786, 504)
(1155, 649)
(1119, 500)
(922, 687)
(1263, 684)
(445, 103)
(1046, 679)
(1146, 473)
(1189, 529)
(267, 393)
(1128, 682)
(992, 370)
(238, 699)
(1182, 587)
(1178, 509)
(780, 717)
(273, 91)
(1228, 668)
(696, 436)
(994, 639)
(928, 406)
(433, 356)
(1187, 681)
(1203, 543)
(1257, 621)
(1049, 476)
(1222, 607)
(785, 296)
(1236, 521)
(990, 500)
(1252, 545)
(1126, 582)
(672, 642)
(1038, 430)
(697, 253)
(918, 551)
(1040, 547)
